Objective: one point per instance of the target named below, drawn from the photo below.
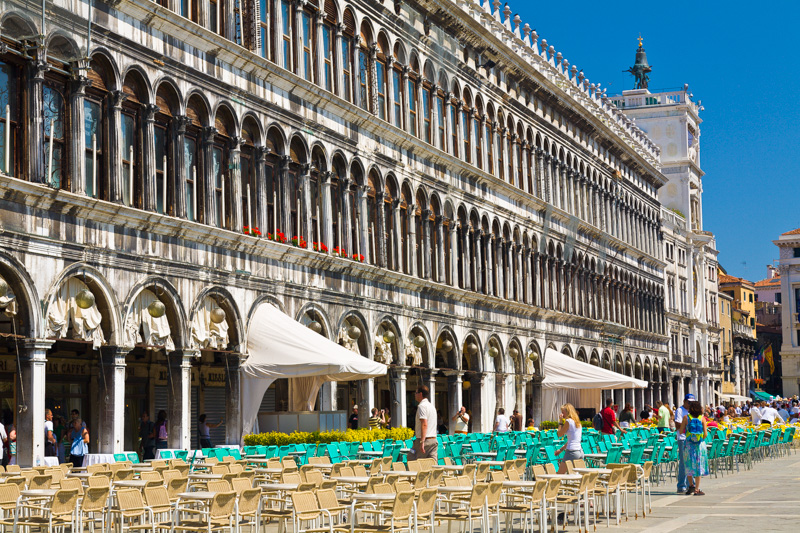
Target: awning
(562, 371)
(280, 347)
(732, 397)
(569, 380)
(760, 395)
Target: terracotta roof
(769, 282)
(793, 232)
(725, 278)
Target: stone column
(207, 177)
(285, 195)
(179, 382)
(179, 176)
(432, 385)
(491, 265)
(477, 422)
(113, 159)
(363, 222)
(366, 401)
(262, 201)
(453, 253)
(319, 61)
(478, 239)
(149, 188)
(440, 267)
(427, 244)
(326, 214)
(411, 213)
(31, 377)
(233, 393)
(380, 230)
(339, 61)
(235, 177)
(454, 392)
(524, 151)
(467, 258)
(407, 106)
(110, 432)
(448, 134)
(435, 118)
(399, 407)
(397, 249)
(328, 396)
(77, 146)
(35, 117)
(373, 78)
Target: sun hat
(689, 397)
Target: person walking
(461, 420)
(501, 423)
(610, 424)
(147, 440)
(626, 418)
(570, 425)
(160, 434)
(353, 420)
(425, 444)
(663, 415)
(204, 431)
(79, 442)
(681, 413)
(12, 445)
(695, 452)
(516, 421)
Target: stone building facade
(466, 198)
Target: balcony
(652, 100)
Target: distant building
(730, 383)
(789, 270)
(743, 327)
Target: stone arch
(225, 300)
(105, 298)
(313, 312)
(251, 129)
(169, 296)
(168, 96)
(25, 294)
(319, 156)
(103, 64)
(474, 360)
(136, 84)
(534, 350)
(275, 140)
(62, 47)
(581, 355)
(298, 149)
(225, 120)
(197, 108)
(418, 329)
(364, 341)
(18, 25)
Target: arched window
(337, 197)
(318, 166)
(275, 149)
(380, 75)
(373, 184)
(328, 43)
(476, 132)
(194, 166)
(307, 43)
(10, 105)
(510, 150)
(286, 35)
(54, 130)
(427, 124)
(299, 157)
(165, 153)
(488, 132)
(364, 70)
(411, 92)
(133, 141)
(250, 139)
(348, 36)
(220, 175)
(465, 125)
(454, 123)
(518, 156)
(94, 128)
(440, 108)
(390, 194)
(262, 30)
(501, 170)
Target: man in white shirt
(462, 421)
(738, 411)
(425, 444)
(501, 423)
(755, 414)
(769, 414)
(784, 414)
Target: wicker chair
(39, 482)
(97, 480)
(525, 503)
(399, 518)
(19, 481)
(219, 517)
(152, 476)
(92, 508)
(218, 485)
(157, 499)
(58, 512)
(467, 511)
(131, 512)
(72, 483)
(9, 493)
(175, 486)
(306, 511)
(95, 468)
(241, 484)
(426, 509)
(248, 509)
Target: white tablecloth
(95, 458)
(230, 446)
(172, 452)
(50, 461)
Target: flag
(760, 355)
(767, 354)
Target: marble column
(110, 432)
(234, 175)
(148, 161)
(453, 253)
(113, 157)
(491, 255)
(233, 392)
(397, 249)
(440, 245)
(262, 199)
(77, 146)
(399, 407)
(285, 195)
(454, 392)
(31, 377)
(179, 176)
(411, 211)
(207, 178)
(427, 244)
(34, 117)
(179, 398)
(380, 230)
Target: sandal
(690, 490)
(699, 493)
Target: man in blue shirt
(681, 412)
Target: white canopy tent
(581, 384)
(280, 347)
(723, 396)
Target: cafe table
(363, 497)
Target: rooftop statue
(641, 69)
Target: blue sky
(741, 60)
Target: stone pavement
(766, 498)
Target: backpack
(162, 432)
(597, 422)
(694, 429)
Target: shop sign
(161, 376)
(213, 377)
(8, 365)
(68, 367)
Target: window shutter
(255, 18)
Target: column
(478, 423)
(432, 385)
(207, 177)
(319, 18)
(397, 228)
(411, 213)
(380, 230)
(35, 117)
(326, 212)
(328, 396)
(454, 396)
(110, 432)
(77, 146)
(440, 266)
(149, 189)
(113, 159)
(453, 253)
(233, 393)
(427, 244)
(366, 401)
(373, 79)
(466, 257)
(399, 407)
(30, 421)
(527, 185)
(477, 245)
(179, 176)
(262, 201)
(235, 178)
(491, 265)
(435, 118)
(406, 107)
(338, 82)
(179, 397)
(520, 383)
(363, 221)
(448, 134)
(285, 196)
